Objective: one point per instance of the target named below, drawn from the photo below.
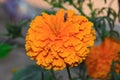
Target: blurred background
(14, 22)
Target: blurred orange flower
(100, 59)
(117, 66)
(55, 41)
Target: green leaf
(70, 1)
(79, 1)
(114, 75)
(93, 13)
(105, 1)
(14, 31)
(114, 34)
(90, 5)
(4, 49)
(111, 13)
(103, 34)
(76, 78)
(32, 72)
(101, 10)
(58, 5)
(110, 22)
(115, 16)
(117, 76)
(52, 1)
(23, 22)
(118, 62)
(46, 0)
(49, 12)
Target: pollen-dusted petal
(55, 41)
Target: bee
(65, 17)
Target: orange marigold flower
(55, 41)
(117, 65)
(100, 59)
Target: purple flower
(19, 9)
(11, 8)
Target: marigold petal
(55, 41)
(100, 58)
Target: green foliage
(99, 21)
(80, 1)
(76, 78)
(105, 1)
(70, 1)
(23, 22)
(114, 34)
(111, 13)
(90, 5)
(114, 75)
(49, 12)
(4, 49)
(103, 18)
(32, 72)
(15, 30)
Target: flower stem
(53, 75)
(119, 10)
(69, 75)
(42, 75)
